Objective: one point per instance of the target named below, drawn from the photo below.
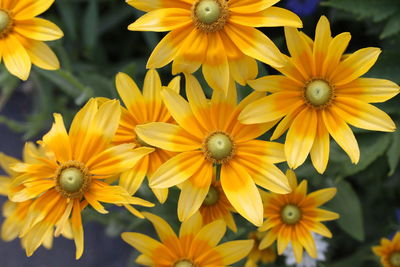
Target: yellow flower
(292, 217)
(218, 34)
(216, 206)
(196, 245)
(389, 251)
(140, 109)
(266, 255)
(208, 133)
(16, 213)
(67, 174)
(319, 94)
(22, 36)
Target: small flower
(307, 261)
(389, 251)
(319, 94)
(256, 255)
(218, 35)
(22, 36)
(292, 218)
(196, 245)
(208, 134)
(67, 174)
(140, 108)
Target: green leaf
(91, 26)
(392, 27)
(68, 17)
(393, 153)
(347, 204)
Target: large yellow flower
(209, 134)
(67, 174)
(292, 217)
(218, 34)
(389, 251)
(140, 109)
(319, 95)
(216, 206)
(22, 36)
(196, 245)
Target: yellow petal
(38, 29)
(300, 137)
(242, 193)
(15, 57)
(167, 136)
(307, 241)
(160, 20)
(246, 6)
(177, 170)
(342, 134)
(259, 150)
(275, 83)
(149, 5)
(320, 150)
(291, 175)
(285, 123)
(233, 251)
(132, 179)
(268, 239)
(131, 95)
(334, 53)
(142, 243)
(320, 197)
(363, 115)
(322, 40)
(194, 191)
(255, 44)
(30, 8)
(270, 17)
(212, 233)
(77, 229)
(369, 90)
(6, 162)
(243, 69)
(164, 231)
(191, 226)
(57, 140)
(355, 65)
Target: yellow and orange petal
(218, 35)
(140, 108)
(389, 251)
(69, 174)
(256, 255)
(292, 218)
(23, 36)
(208, 133)
(319, 94)
(196, 244)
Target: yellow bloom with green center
(292, 218)
(320, 93)
(208, 134)
(68, 174)
(196, 245)
(140, 108)
(15, 213)
(22, 36)
(218, 35)
(389, 251)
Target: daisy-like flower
(389, 251)
(256, 255)
(67, 174)
(196, 245)
(307, 261)
(217, 34)
(141, 109)
(216, 206)
(292, 218)
(208, 133)
(320, 93)
(16, 213)
(22, 36)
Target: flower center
(210, 15)
(394, 259)
(318, 93)
(211, 197)
(291, 214)
(72, 179)
(184, 263)
(5, 23)
(218, 147)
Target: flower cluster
(211, 148)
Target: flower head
(22, 36)
(256, 255)
(220, 35)
(320, 93)
(389, 251)
(140, 108)
(196, 245)
(67, 174)
(292, 218)
(208, 133)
